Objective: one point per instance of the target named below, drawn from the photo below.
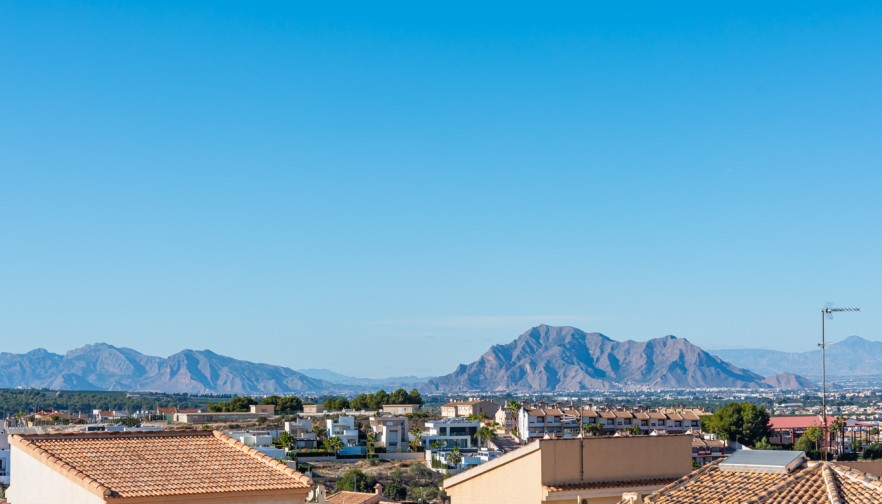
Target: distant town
(402, 446)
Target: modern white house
(301, 430)
(343, 428)
(450, 433)
(391, 432)
(468, 459)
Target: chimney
(378, 489)
(630, 498)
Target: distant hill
(853, 356)
(789, 381)
(394, 382)
(106, 367)
(549, 358)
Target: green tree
(633, 430)
(872, 452)
(593, 429)
(320, 432)
(371, 439)
(285, 440)
(742, 422)
(484, 434)
(398, 397)
(355, 480)
(286, 404)
(454, 457)
(414, 397)
(764, 444)
(837, 429)
(335, 403)
(130, 422)
(874, 432)
(513, 405)
(334, 444)
(395, 491)
(416, 439)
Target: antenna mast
(827, 313)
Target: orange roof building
(147, 467)
(360, 497)
(795, 480)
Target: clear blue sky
(388, 189)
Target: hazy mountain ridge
(565, 358)
(106, 367)
(407, 382)
(853, 356)
(789, 381)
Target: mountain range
(549, 358)
(106, 367)
(853, 356)
(545, 358)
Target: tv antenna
(827, 313)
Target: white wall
(33, 482)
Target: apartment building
(538, 422)
(463, 409)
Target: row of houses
(537, 423)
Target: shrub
(872, 452)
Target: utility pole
(826, 313)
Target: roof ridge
(63, 436)
(791, 478)
(269, 461)
(831, 484)
(89, 483)
(857, 476)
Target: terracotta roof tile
(598, 485)
(357, 498)
(820, 483)
(160, 463)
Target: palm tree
(837, 427)
(592, 429)
(416, 439)
(454, 457)
(334, 444)
(513, 405)
(484, 434)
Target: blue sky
(390, 189)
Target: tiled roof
(356, 498)
(819, 483)
(798, 422)
(598, 485)
(160, 463)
